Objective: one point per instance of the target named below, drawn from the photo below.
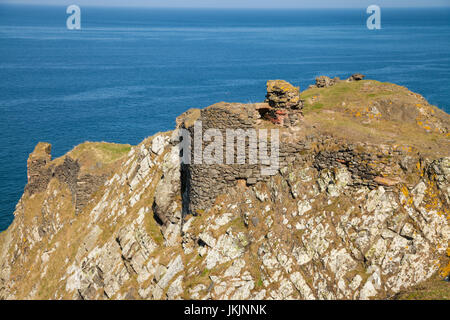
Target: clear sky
(242, 3)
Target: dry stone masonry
(41, 171)
(203, 182)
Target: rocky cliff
(358, 207)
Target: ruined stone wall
(368, 165)
(201, 183)
(38, 172)
(86, 185)
(41, 170)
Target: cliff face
(358, 208)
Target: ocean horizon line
(224, 8)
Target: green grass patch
(114, 150)
(103, 152)
(315, 107)
(153, 229)
(206, 272)
(433, 289)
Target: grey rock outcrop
(356, 77)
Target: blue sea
(128, 73)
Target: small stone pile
(356, 77)
(325, 82)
